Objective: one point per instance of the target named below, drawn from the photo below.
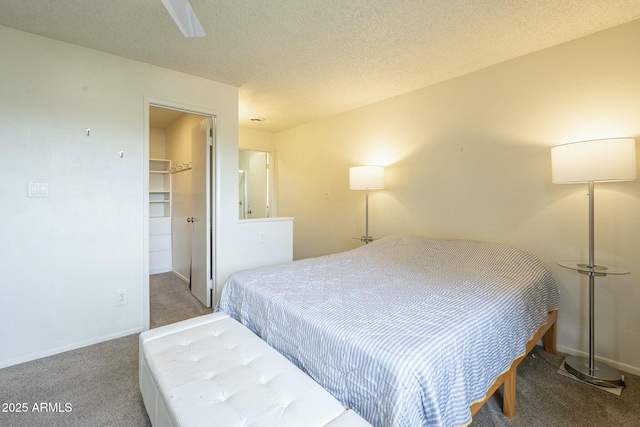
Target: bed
(407, 330)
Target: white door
(202, 157)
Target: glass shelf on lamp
(596, 270)
(366, 239)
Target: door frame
(191, 109)
(202, 225)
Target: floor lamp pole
(592, 282)
(583, 368)
(366, 216)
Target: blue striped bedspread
(407, 330)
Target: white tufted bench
(213, 371)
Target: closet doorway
(181, 197)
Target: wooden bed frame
(547, 332)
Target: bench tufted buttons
(220, 370)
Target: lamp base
(603, 375)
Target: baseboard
(180, 276)
(614, 364)
(75, 346)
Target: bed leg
(549, 338)
(509, 397)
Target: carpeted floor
(98, 385)
(171, 301)
(99, 382)
(546, 398)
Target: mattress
(407, 330)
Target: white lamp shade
(366, 177)
(599, 160)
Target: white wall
(260, 242)
(470, 158)
(64, 257)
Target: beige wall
(254, 139)
(469, 158)
(157, 138)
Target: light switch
(32, 189)
(38, 189)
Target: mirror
(254, 178)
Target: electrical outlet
(121, 297)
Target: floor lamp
(588, 162)
(366, 178)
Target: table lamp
(366, 178)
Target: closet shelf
(159, 188)
(160, 252)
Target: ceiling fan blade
(184, 17)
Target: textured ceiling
(296, 61)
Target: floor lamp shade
(599, 161)
(366, 177)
